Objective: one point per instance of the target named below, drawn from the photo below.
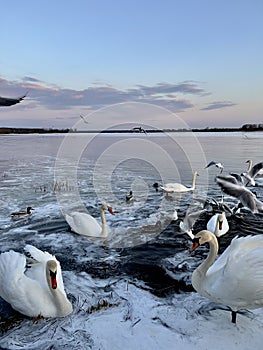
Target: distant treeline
(31, 131)
(245, 127)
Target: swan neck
(102, 215)
(193, 181)
(249, 165)
(213, 245)
(62, 304)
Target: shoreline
(9, 130)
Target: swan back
(174, 187)
(83, 224)
(86, 225)
(177, 187)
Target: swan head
(106, 206)
(52, 273)
(196, 173)
(220, 220)
(200, 238)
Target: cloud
(31, 80)
(186, 87)
(53, 97)
(218, 105)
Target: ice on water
(112, 309)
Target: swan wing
(83, 224)
(255, 169)
(38, 254)
(236, 278)
(211, 224)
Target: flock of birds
(34, 286)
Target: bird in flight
(216, 164)
(83, 118)
(8, 101)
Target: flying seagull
(83, 118)
(186, 226)
(7, 101)
(241, 192)
(216, 164)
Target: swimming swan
(218, 224)
(235, 279)
(86, 225)
(178, 188)
(36, 291)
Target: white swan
(252, 172)
(235, 279)
(178, 188)
(86, 225)
(218, 224)
(36, 291)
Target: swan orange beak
(53, 279)
(111, 211)
(194, 246)
(220, 225)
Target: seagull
(83, 118)
(216, 207)
(186, 226)
(216, 164)
(241, 192)
(7, 101)
(252, 172)
(238, 177)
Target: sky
(198, 59)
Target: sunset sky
(200, 59)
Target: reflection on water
(143, 245)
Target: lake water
(56, 174)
